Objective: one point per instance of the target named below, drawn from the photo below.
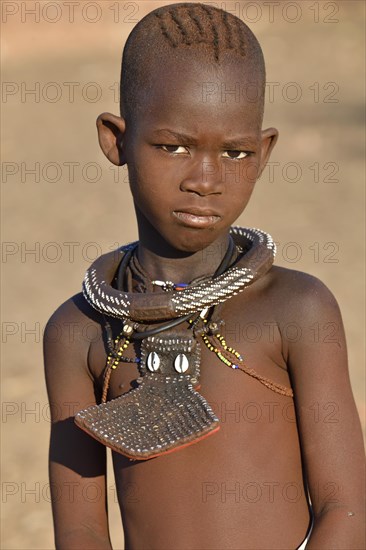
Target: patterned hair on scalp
(197, 23)
(202, 28)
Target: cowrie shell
(153, 361)
(181, 363)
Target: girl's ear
(269, 139)
(111, 129)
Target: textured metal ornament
(164, 413)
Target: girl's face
(194, 151)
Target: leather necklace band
(160, 306)
(140, 335)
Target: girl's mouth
(196, 220)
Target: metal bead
(127, 329)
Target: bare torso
(242, 487)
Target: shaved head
(182, 32)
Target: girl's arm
(77, 463)
(329, 426)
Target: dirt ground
(63, 204)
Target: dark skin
(243, 486)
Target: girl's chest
(251, 340)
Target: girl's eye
(175, 149)
(236, 155)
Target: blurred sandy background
(75, 206)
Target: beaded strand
(115, 357)
(227, 351)
(224, 352)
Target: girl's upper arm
(77, 463)
(329, 426)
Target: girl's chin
(179, 240)
(196, 243)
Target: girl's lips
(196, 220)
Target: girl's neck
(183, 269)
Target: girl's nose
(203, 178)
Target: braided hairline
(176, 32)
(196, 20)
(228, 31)
(165, 32)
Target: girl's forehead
(184, 66)
(184, 91)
